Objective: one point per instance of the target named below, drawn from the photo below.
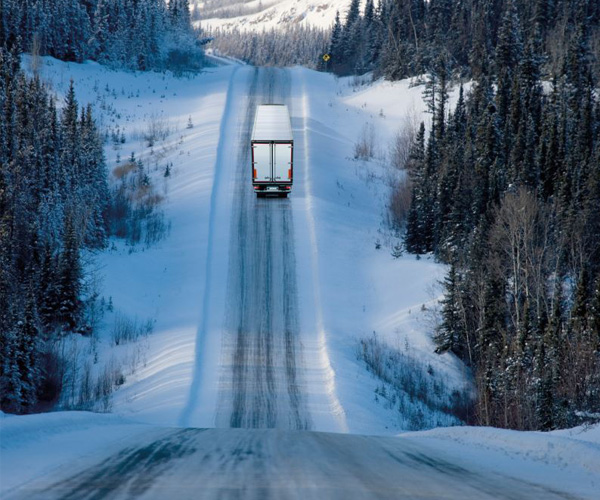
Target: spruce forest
(505, 189)
(53, 203)
(141, 34)
(55, 198)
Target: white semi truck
(272, 150)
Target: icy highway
(261, 381)
(260, 360)
(268, 463)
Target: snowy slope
(258, 15)
(348, 288)
(363, 289)
(165, 282)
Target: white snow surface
(32, 446)
(564, 460)
(266, 14)
(347, 287)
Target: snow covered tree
(53, 195)
(69, 277)
(138, 34)
(450, 336)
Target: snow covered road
(269, 463)
(261, 384)
(261, 360)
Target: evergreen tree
(416, 165)
(335, 48)
(28, 335)
(69, 279)
(450, 336)
(352, 16)
(369, 39)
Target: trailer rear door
(282, 162)
(261, 162)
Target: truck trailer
(272, 148)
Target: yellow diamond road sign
(326, 57)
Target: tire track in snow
(260, 385)
(265, 463)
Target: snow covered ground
(257, 15)
(348, 288)
(567, 461)
(165, 282)
(349, 284)
(364, 289)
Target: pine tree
(416, 166)
(335, 49)
(435, 94)
(352, 16)
(28, 335)
(452, 211)
(548, 150)
(11, 384)
(480, 53)
(48, 297)
(70, 132)
(451, 336)
(94, 185)
(69, 280)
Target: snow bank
(361, 287)
(259, 15)
(555, 459)
(32, 446)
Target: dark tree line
(135, 34)
(289, 46)
(54, 195)
(506, 190)
(355, 45)
(403, 38)
(53, 200)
